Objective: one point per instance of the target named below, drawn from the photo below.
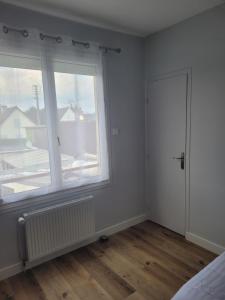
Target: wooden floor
(143, 262)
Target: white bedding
(209, 284)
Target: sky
(16, 89)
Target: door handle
(181, 158)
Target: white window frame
(47, 194)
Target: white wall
(124, 197)
(199, 43)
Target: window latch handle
(58, 139)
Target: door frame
(171, 74)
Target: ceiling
(138, 17)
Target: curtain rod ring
(58, 39)
(42, 37)
(25, 33)
(5, 29)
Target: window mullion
(52, 122)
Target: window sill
(51, 198)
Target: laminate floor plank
(6, 290)
(197, 256)
(82, 282)
(135, 296)
(109, 280)
(148, 263)
(53, 283)
(149, 285)
(172, 263)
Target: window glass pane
(78, 127)
(24, 155)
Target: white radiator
(57, 227)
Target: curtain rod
(59, 39)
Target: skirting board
(215, 248)
(18, 267)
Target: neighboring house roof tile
(8, 111)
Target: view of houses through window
(77, 118)
(78, 133)
(25, 155)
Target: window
(78, 128)
(52, 126)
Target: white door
(166, 132)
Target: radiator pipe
(22, 240)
